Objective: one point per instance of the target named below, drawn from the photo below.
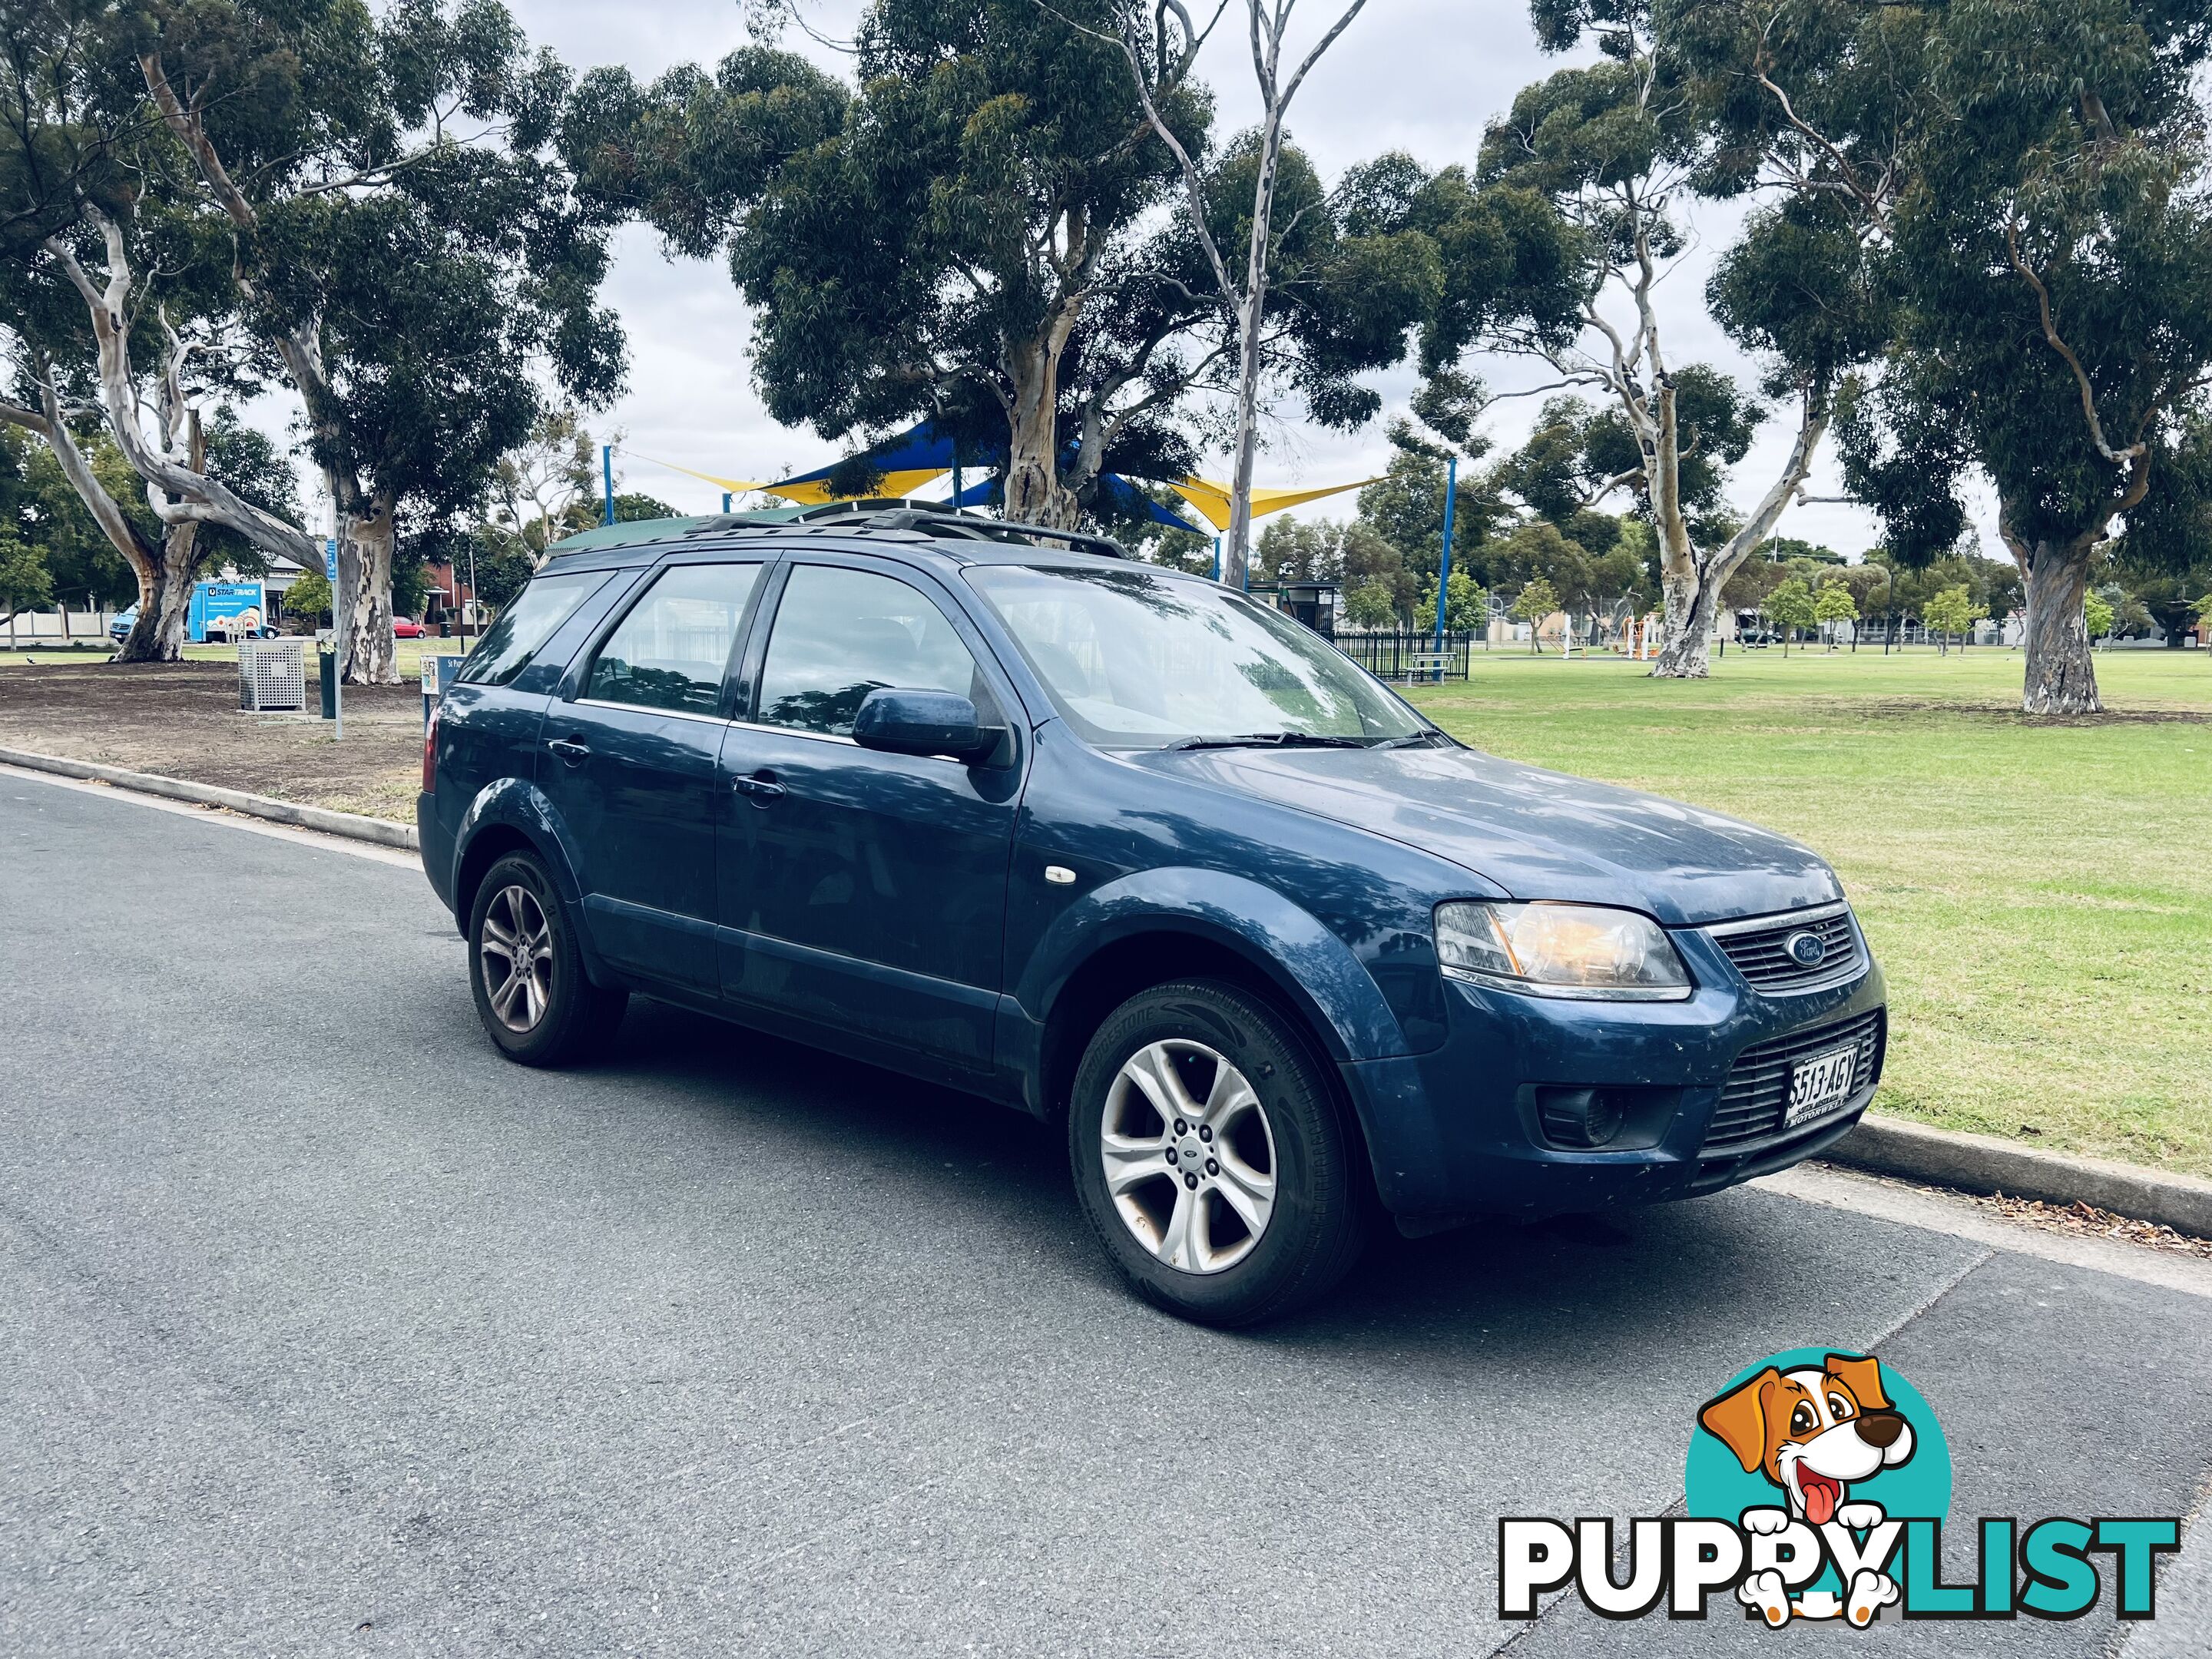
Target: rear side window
(527, 624)
(841, 633)
(672, 651)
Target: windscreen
(1137, 659)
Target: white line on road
(360, 850)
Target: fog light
(1581, 1118)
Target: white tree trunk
(1693, 585)
(370, 655)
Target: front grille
(1758, 1089)
(1761, 955)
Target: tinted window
(527, 624)
(672, 651)
(843, 634)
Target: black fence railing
(1403, 654)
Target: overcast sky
(1421, 76)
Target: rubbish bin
(326, 668)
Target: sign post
(337, 640)
(1444, 570)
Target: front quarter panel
(1284, 940)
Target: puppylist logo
(1818, 1486)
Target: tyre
(526, 973)
(1211, 1155)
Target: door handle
(761, 787)
(573, 750)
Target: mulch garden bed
(182, 720)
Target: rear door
(629, 752)
(860, 890)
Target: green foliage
(1406, 509)
(1537, 599)
(976, 222)
(25, 584)
(2098, 612)
(1466, 610)
(439, 293)
(1952, 612)
(1792, 607)
(633, 507)
(1834, 603)
(1369, 605)
(308, 599)
(2063, 161)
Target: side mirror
(923, 723)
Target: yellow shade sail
(896, 485)
(1211, 498)
(808, 492)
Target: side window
(841, 633)
(527, 624)
(672, 650)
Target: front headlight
(1561, 951)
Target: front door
(864, 892)
(631, 750)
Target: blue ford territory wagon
(1000, 809)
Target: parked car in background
(119, 626)
(1127, 851)
(406, 628)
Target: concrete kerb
(1887, 1146)
(1983, 1163)
(351, 825)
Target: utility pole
(607, 478)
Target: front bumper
(1455, 1134)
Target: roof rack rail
(936, 516)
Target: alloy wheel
(1189, 1156)
(517, 953)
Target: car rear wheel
(1212, 1155)
(526, 974)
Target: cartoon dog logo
(1812, 1431)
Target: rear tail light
(430, 750)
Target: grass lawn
(2039, 894)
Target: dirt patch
(2011, 713)
(182, 720)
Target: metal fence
(1403, 654)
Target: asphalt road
(324, 1330)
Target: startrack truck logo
(1817, 1488)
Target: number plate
(1821, 1084)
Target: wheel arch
(512, 817)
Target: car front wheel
(1212, 1157)
(526, 973)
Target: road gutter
(1983, 1163)
(353, 826)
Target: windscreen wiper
(1270, 740)
(1425, 740)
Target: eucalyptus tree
(972, 232)
(961, 235)
(401, 236)
(113, 314)
(2039, 170)
(1172, 33)
(1620, 148)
